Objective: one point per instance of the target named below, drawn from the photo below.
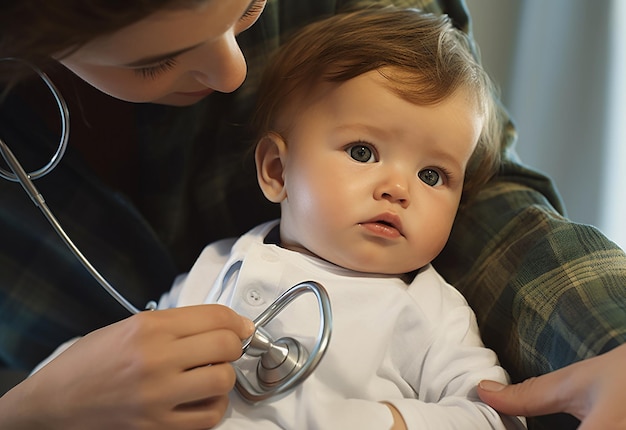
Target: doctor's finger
(216, 346)
(192, 320)
(202, 383)
(541, 395)
(203, 414)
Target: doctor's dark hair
(423, 57)
(36, 30)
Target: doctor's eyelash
(153, 72)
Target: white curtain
(613, 216)
(563, 82)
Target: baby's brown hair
(423, 57)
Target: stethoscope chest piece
(280, 360)
(283, 363)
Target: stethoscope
(283, 363)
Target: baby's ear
(269, 155)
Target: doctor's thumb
(532, 397)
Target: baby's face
(372, 181)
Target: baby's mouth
(388, 225)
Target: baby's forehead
(410, 85)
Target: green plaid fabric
(547, 292)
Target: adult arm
(592, 390)
(150, 370)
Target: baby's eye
(361, 153)
(430, 177)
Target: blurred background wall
(560, 66)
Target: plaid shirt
(547, 292)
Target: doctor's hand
(148, 371)
(592, 390)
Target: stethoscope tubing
(19, 174)
(24, 179)
(65, 128)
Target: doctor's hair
(38, 30)
(423, 57)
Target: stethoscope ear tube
(65, 129)
(18, 174)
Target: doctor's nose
(224, 68)
(395, 189)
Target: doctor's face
(173, 57)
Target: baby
(373, 125)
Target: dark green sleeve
(547, 292)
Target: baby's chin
(376, 267)
(369, 265)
